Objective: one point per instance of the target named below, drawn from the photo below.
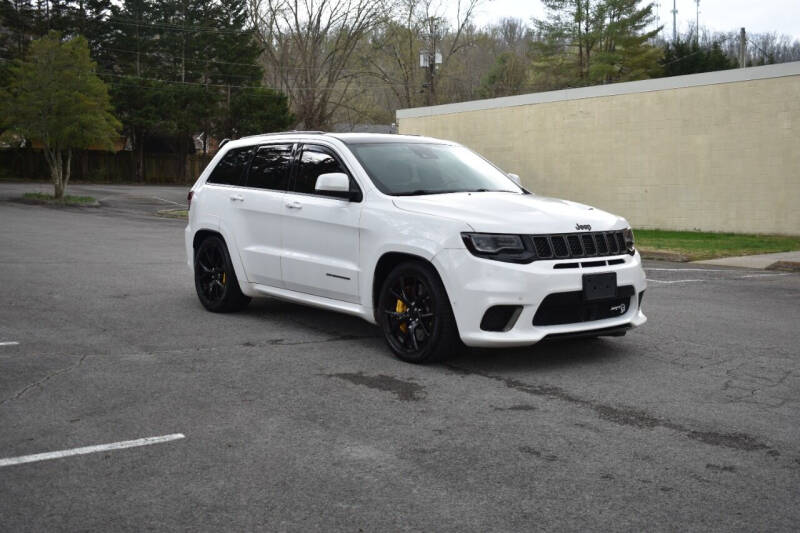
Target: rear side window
(270, 168)
(230, 169)
(313, 162)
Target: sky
(757, 16)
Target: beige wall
(719, 157)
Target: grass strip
(699, 245)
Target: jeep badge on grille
(580, 227)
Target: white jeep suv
(421, 236)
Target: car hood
(498, 212)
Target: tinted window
(313, 162)
(230, 168)
(270, 167)
(421, 168)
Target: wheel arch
(203, 233)
(386, 263)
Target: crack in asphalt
(270, 342)
(41, 381)
(626, 416)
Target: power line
(225, 85)
(216, 61)
(176, 27)
(198, 60)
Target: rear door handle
(237, 198)
(294, 205)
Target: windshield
(407, 169)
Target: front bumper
(475, 284)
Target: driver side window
(313, 161)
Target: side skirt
(316, 301)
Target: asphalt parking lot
(300, 419)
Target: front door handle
(294, 205)
(237, 198)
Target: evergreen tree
(622, 51)
(237, 53)
(258, 110)
(599, 41)
(17, 27)
(90, 19)
(506, 77)
(687, 56)
(141, 102)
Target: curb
(785, 266)
(48, 203)
(663, 256)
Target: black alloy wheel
(214, 278)
(415, 314)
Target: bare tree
(420, 28)
(309, 45)
(394, 53)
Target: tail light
(189, 200)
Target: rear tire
(215, 279)
(415, 315)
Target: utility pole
(432, 70)
(430, 58)
(674, 21)
(697, 23)
(657, 6)
(742, 49)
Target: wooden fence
(105, 166)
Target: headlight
(501, 247)
(488, 243)
(628, 235)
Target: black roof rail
(223, 142)
(309, 132)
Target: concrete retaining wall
(717, 151)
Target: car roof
(347, 138)
(369, 138)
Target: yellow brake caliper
(401, 308)
(223, 278)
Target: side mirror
(336, 182)
(515, 179)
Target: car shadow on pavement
(319, 320)
(549, 354)
(545, 355)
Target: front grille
(542, 247)
(559, 246)
(577, 245)
(571, 308)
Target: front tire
(415, 314)
(214, 278)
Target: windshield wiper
(420, 192)
(492, 190)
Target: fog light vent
(500, 317)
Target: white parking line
(89, 449)
(169, 201)
(9, 343)
(674, 281)
(691, 269)
(763, 275)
